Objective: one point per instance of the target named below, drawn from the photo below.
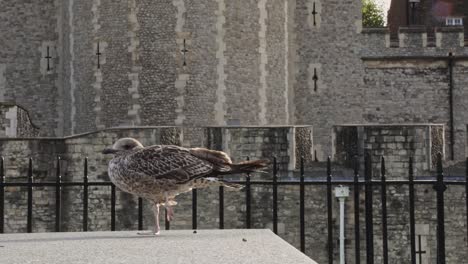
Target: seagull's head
(122, 145)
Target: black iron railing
(368, 183)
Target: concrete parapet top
(389, 125)
(412, 30)
(171, 247)
(114, 129)
(381, 30)
(449, 29)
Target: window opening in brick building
(454, 21)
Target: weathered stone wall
(327, 48)
(410, 82)
(346, 75)
(396, 143)
(25, 128)
(174, 63)
(16, 154)
(28, 28)
(15, 122)
(218, 62)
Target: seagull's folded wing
(167, 162)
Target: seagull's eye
(127, 146)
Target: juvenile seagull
(159, 173)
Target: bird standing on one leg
(160, 172)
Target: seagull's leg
(157, 229)
(170, 211)
(156, 219)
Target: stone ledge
(176, 246)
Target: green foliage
(372, 16)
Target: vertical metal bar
(85, 195)
(440, 189)
(369, 219)
(466, 198)
(411, 211)
(357, 236)
(302, 206)
(248, 195)
(384, 211)
(140, 213)
(2, 197)
(58, 197)
(221, 207)
(408, 13)
(194, 209)
(275, 196)
(112, 207)
(30, 196)
(167, 223)
(451, 121)
(420, 249)
(329, 212)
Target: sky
(385, 5)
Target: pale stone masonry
(216, 62)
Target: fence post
(30, 196)
(466, 198)
(275, 196)
(85, 195)
(248, 200)
(329, 212)
(58, 197)
(140, 213)
(440, 189)
(384, 211)
(112, 207)
(221, 207)
(369, 220)
(411, 209)
(357, 236)
(2, 196)
(302, 206)
(194, 209)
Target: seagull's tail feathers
(248, 166)
(212, 156)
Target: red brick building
(427, 13)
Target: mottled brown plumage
(159, 173)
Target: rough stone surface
(15, 121)
(397, 144)
(27, 29)
(215, 63)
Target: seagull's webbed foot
(170, 213)
(149, 233)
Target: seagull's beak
(109, 151)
